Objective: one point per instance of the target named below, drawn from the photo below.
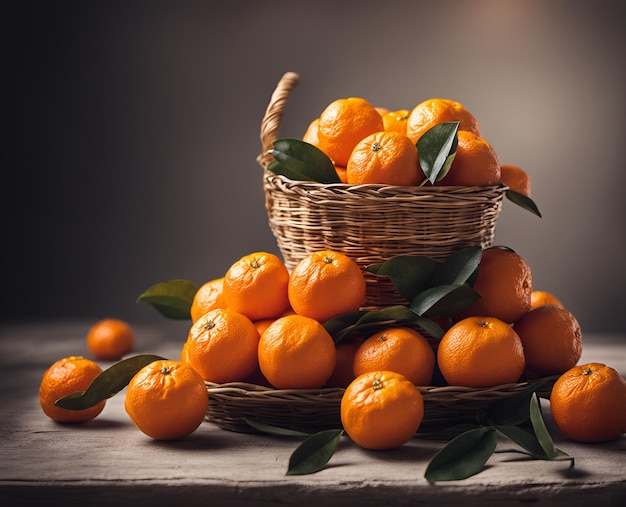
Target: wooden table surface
(109, 462)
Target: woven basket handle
(274, 114)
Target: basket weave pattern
(373, 223)
(315, 410)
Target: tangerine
(256, 286)
(399, 349)
(208, 297)
(515, 178)
(343, 373)
(310, 135)
(167, 400)
(296, 352)
(396, 121)
(504, 283)
(325, 284)
(430, 112)
(475, 163)
(381, 410)
(588, 403)
(343, 124)
(480, 352)
(542, 297)
(552, 340)
(222, 346)
(385, 157)
(110, 339)
(66, 376)
(342, 173)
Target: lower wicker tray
(318, 409)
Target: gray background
(131, 132)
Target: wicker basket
(370, 223)
(315, 410)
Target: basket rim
(256, 390)
(270, 177)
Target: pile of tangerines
(368, 144)
(262, 324)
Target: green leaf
(409, 274)
(430, 327)
(443, 300)
(515, 410)
(523, 201)
(108, 383)
(396, 313)
(436, 150)
(459, 267)
(464, 456)
(537, 443)
(302, 161)
(313, 454)
(281, 170)
(275, 430)
(524, 439)
(337, 325)
(171, 299)
(542, 433)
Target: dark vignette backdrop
(131, 131)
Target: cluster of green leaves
(432, 288)
(469, 445)
(302, 161)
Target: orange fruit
(475, 164)
(110, 339)
(222, 346)
(396, 121)
(399, 349)
(552, 340)
(504, 283)
(67, 376)
(184, 352)
(296, 352)
(430, 112)
(310, 135)
(480, 352)
(588, 403)
(343, 373)
(541, 297)
(167, 400)
(389, 158)
(256, 286)
(342, 173)
(515, 178)
(208, 297)
(325, 284)
(381, 410)
(343, 124)
(382, 110)
(262, 325)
